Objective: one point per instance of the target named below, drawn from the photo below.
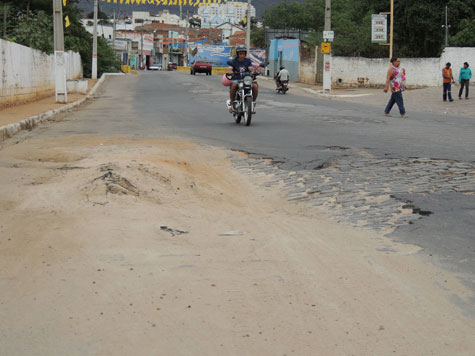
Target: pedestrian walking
(464, 79)
(448, 81)
(396, 79)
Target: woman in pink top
(396, 79)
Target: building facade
(214, 14)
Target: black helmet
(241, 48)
(282, 67)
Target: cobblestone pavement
(365, 191)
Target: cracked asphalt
(413, 179)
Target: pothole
(116, 184)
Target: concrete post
(60, 57)
(94, 42)
(113, 33)
(141, 50)
(315, 66)
(248, 26)
(186, 39)
(327, 58)
(391, 31)
(5, 11)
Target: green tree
(31, 24)
(258, 36)
(194, 22)
(77, 39)
(34, 31)
(418, 28)
(288, 15)
(465, 37)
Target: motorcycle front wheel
(237, 118)
(247, 110)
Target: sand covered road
(116, 246)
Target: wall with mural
(284, 52)
(219, 55)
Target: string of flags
(173, 2)
(163, 2)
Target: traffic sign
(326, 47)
(328, 36)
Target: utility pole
(59, 55)
(327, 58)
(5, 11)
(94, 42)
(113, 34)
(446, 27)
(391, 31)
(141, 49)
(186, 39)
(248, 27)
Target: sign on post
(326, 47)
(379, 28)
(328, 36)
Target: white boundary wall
(28, 74)
(420, 72)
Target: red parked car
(172, 66)
(201, 66)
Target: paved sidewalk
(422, 100)
(25, 116)
(14, 114)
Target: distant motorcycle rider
(282, 76)
(241, 65)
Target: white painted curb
(29, 123)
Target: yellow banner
(66, 20)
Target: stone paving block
(317, 202)
(336, 187)
(298, 197)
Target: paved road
(417, 174)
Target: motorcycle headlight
(241, 84)
(247, 81)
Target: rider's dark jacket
(241, 68)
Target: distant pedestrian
(464, 79)
(448, 80)
(396, 79)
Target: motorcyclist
(283, 75)
(241, 64)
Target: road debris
(174, 232)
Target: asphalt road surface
(424, 163)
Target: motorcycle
(243, 105)
(284, 87)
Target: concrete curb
(334, 95)
(319, 93)
(29, 123)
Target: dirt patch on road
(121, 246)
